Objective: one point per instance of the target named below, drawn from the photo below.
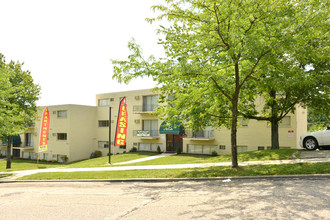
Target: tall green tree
(18, 96)
(301, 78)
(213, 50)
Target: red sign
(44, 131)
(121, 131)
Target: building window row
(105, 102)
(201, 149)
(150, 146)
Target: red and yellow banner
(44, 131)
(121, 131)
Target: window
(286, 121)
(151, 126)
(103, 144)
(104, 123)
(61, 136)
(261, 148)
(61, 158)
(243, 122)
(62, 114)
(28, 140)
(3, 152)
(150, 103)
(201, 149)
(104, 102)
(222, 147)
(204, 133)
(29, 155)
(150, 147)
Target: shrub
(158, 150)
(134, 149)
(96, 154)
(214, 153)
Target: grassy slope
(284, 169)
(175, 159)
(283, 154)
(96, 162)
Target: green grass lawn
(96, 162)
(174, 159)
(283, 154)
(258, 170)
(4, 175)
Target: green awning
(15, 140)
(166, 128)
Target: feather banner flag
(44, 131)
(121, 130)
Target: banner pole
(109, 135)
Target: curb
(159, 180)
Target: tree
(213, 50)
(18, 98)
(301, 78)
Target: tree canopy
(18, 96)
(216, 51)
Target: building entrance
(16, 153)
(173, 142)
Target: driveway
(315, 154)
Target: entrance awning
(15, 140)
(166, 128)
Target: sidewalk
(17, 174)
(146, 158)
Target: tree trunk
(234, 136)
(274, 122)
(9, 153)
(274, 135)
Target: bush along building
(76, 131)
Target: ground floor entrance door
(16, 153)
(173, 141)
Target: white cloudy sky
(67, 44)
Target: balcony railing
(145, 133)
(201, 134)
(144, 108)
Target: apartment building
(76, 131)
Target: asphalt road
(284, 198)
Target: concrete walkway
(146, 158)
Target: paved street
(232, 199)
